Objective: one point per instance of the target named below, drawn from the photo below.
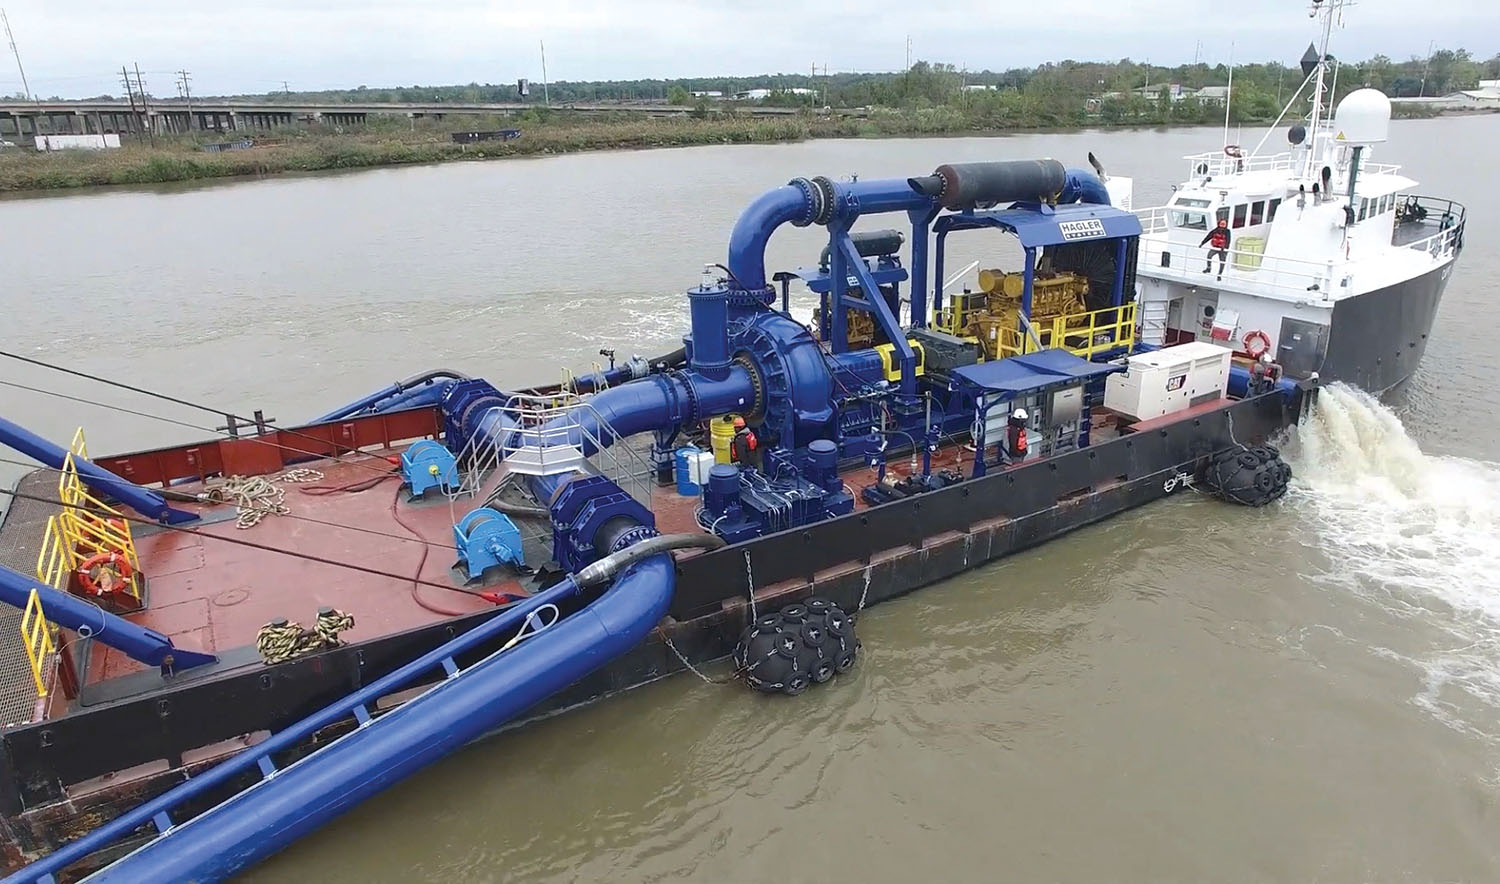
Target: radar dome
(1363, 117)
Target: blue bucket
(682, 459)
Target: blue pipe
(1083, 186)
(123, 825)
(424, 389)
(747, 242)
(651, 403)
(87, 619)
(275, 812)
(101, 481)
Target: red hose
(416, 585)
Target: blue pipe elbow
(747, 242)
(1083, 186)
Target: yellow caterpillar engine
(995, 317)
(861, 332)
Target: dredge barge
(465, 556)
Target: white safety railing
(547, 436)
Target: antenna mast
(1326, 8)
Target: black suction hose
(612, 564)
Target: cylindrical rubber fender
(964, 185)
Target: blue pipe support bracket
(123, 826)
(99, 480)
(87, 619)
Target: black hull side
(1377, 339)
(870, 555)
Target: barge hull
(870, 555)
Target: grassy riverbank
(393, 141)
(182, 158)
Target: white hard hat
(1266, 357)
(1019, 414)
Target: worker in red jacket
(1218, 244)
(746, 448)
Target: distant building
(708, 93)
(758, 94)
(1486, 97)
(978, 87)
(1213, 94)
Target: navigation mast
(1326, 8)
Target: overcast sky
(75, 47)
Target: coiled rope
(257, 497)
(282, 640)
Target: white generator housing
(1169, 380)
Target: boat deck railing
(551, 433)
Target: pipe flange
(825, 204)
(632, 537)
(690, 413)
(757, 411)
(812, 197)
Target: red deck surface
(214, 594)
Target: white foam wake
(1417, 533)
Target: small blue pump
(485, 538)
(427, 464)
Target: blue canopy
(1032, 373)
(1036, 225)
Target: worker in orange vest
(1015, 435)
(1218, 244)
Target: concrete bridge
(26, 119)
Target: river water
(1187, 692)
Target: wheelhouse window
(1239, 215)
(1364, 209)
(1257, 212)
(1271, 208)
(1190, 220)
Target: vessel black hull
(865, 557)
(1378, 338)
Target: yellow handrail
(56, 558)
(88, 525)
(36, 635)
(1099, 331)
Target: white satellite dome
(1363, 117)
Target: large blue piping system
(295, 801)
(101, 481)
(87, 619)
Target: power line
(230, 416)
(21, 495)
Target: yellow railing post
(36, 635)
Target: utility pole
(908, 53)
(546, 101)
(1420, 92)
(130, 94)
(140, 86)
(25, 87)
(186, 92)
(286, 88)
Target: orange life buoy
(1256, 343)
(92, 568)
(1234, 150)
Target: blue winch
(485, 538)
(427, 464)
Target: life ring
(1252, 339)
(1234, 150)
(92, 568)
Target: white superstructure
(1311, 227)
